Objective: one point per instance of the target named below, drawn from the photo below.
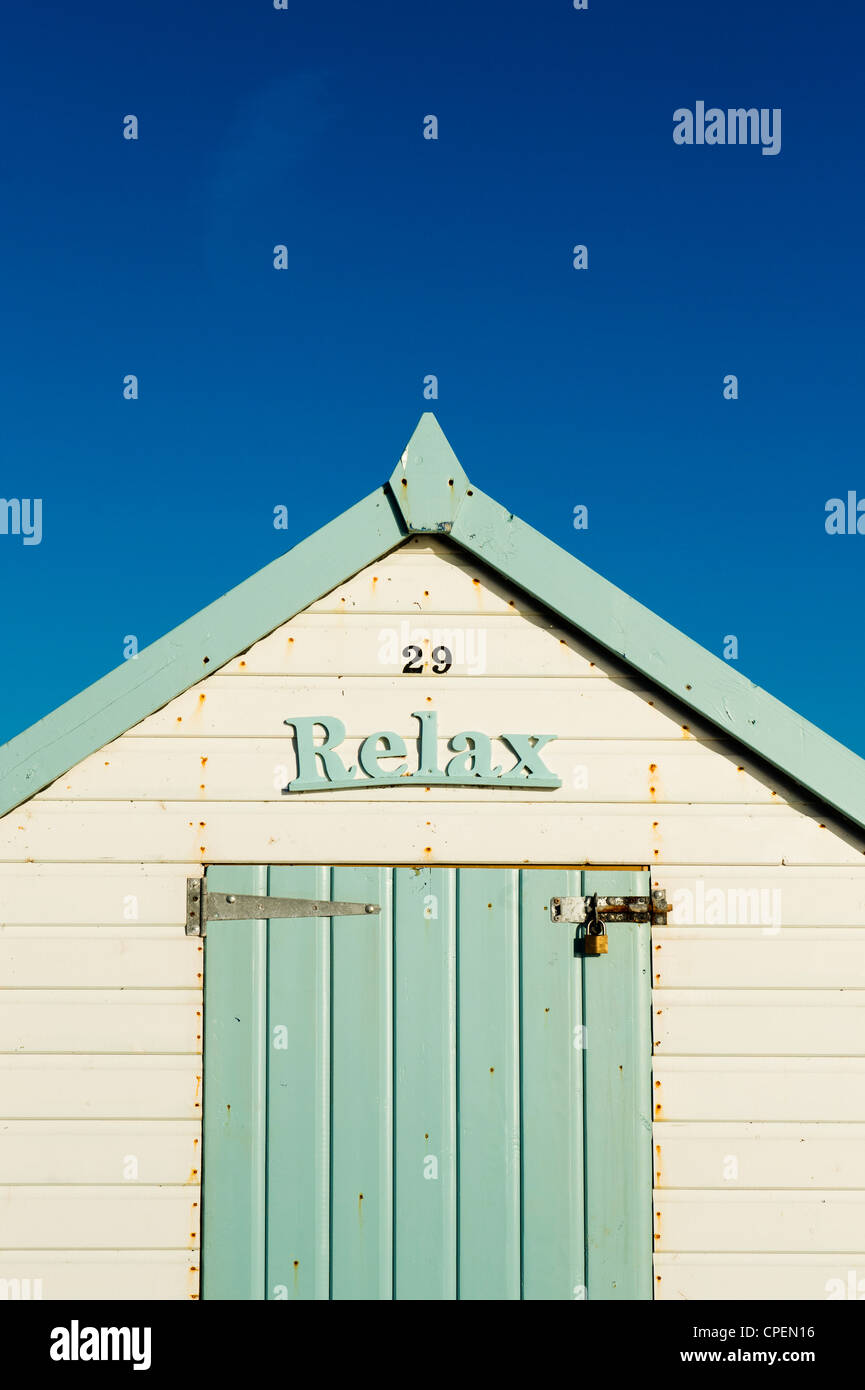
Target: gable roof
(429, 493)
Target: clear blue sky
(410, 256)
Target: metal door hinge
(203, 907)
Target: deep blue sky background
(409, 256)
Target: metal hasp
(579, 910)
(593, 913)
(204, 907)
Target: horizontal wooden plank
(100, 1151)
(753, 1276)
(79, 1275)
(772, 1156)
(809, 897)
(40, 957)
(116, 894)
(760, 1221)
(258, 706)
(136, 1021)
(759, 1088)
(207, 769)
(757, 1022)
(410, 832)
(161, 1087)
(124, 1217)
(482, 645)
(79, 894)
(758, 957)
(440, 581)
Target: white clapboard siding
(760, 1221)
(432, 581)
(81, 895)
(755, 1276)
(159, 1087)
(75, 957)
(297, 833)
(336, 645)
(139, 1021)
(98, 1274)
(812, 897)
(100, 998)
(139, 1218)
(758, 1022)
(759, 1088)
(258, 706)
(210, 769)
(733, 1157)
(760, 958)
(99, 1151)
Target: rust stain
(492, 1069)
(686, 731)
(202, 697)
(204, 762)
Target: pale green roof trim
(429, 492)
(428, 483)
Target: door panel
(395, 1105)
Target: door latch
(591, 915)
(203, 907)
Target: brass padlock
(595, 942)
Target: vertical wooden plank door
(411, 1104)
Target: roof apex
(429, 482)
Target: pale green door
(438, 1101)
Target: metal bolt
(230, 898)
(369, 907)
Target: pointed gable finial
(428, 483)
